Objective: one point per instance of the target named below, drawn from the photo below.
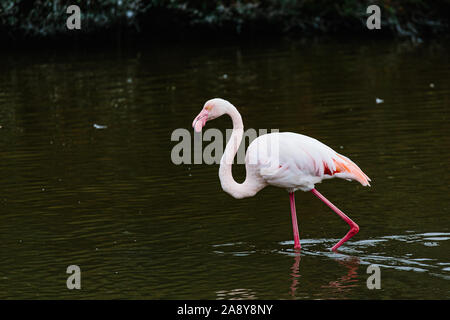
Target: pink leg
(353, 226)
(294, 221)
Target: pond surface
(86, 176)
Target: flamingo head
(212, 109)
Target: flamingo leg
(294, 221)
(354, 228)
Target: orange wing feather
(346, 167)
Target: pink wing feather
(346, 167)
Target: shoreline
(133, 22)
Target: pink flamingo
(283, 159)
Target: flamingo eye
(208, 107)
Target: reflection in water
(345, 283)
(295, 273)
(351, 256)
(372, 251)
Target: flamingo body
(299, 162)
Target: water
(86, 176)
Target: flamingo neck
(251, 185)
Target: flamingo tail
(346, 167)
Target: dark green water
(111, 201)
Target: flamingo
(297, 162)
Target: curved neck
(252, 183)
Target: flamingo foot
(354, 228)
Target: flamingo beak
(200, 121)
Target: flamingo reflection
(343, 285)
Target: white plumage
(295, 161)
